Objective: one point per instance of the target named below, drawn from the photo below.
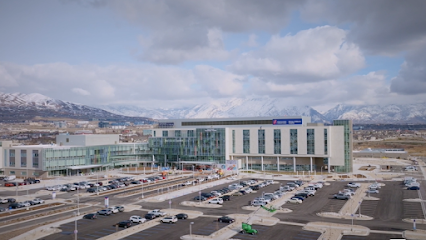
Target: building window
(35, 158)
(190, 133)
(261, 140)
(12, 172)
(325, 141)
(310, 141)
(246, 141)
(23, 173)
(165, 133)
(233, 141)
(293, 141)
(154, 133)
(277, 141)
(12, 158)
(68, 140)
(177, 133)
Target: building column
(294, 164)
(261, 162)
(278, 164)
(247, 162)
(328, 165)
(311, 164)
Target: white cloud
(252, 41)
(218, 83)
(177, 45)
(311, 55)
(80, 91)
(6, 80)
(381, 27)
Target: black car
(11, 200)
(305, 195)
(198, 198)
(413, 188)
(15, 205)
(91, 190)
(90, 216)
(125, 224)
(226, 219)
(226, 198)
(149, 216)
(255, 187)
(207, 195)
(135, 182)
(182, 216)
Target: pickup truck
(157, 213)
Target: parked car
(200, 198)
(16, 205)
(169, 219)
(413, 188)
(119, 208)
(370, 190)
(216, 201)
(113, 210)
(182, 216)
(11, 200)
(294, 200)
(299, 197)
(124, 224)
(354, 185)
(341, 196)
(90, 216)
(226, 219)
(105, 212)
(2, 209)
(3, 200)
(157, 213)
(258, 203)
(137, 219)
(149, 216)
(25, 204)
(226, 198)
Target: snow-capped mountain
(408, 113)
(26, 106)
(236, 107)
(21, 107)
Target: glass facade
(347, 124)
(233, 141)
(325, 141)
(177, 133)
(227, 123)
(277, 141)
(261, 140)
(205, 144)
(35, 159)
(246, 141)
(310, 141)
(12, 158)
(165, 133)
(293, 141)
(23, 158)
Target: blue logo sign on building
(295, 121)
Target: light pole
(190, 228)
(193, 183)
(78, 200)
(321, 170)
(360, 209)
(97, 182)
(75, 227)
(142, 189)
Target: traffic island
(200, 204)
(334, 231)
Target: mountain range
(27, 106)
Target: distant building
(381, 153)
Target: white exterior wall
(253, 140)
(269, 141)
(336, 146)
(238, 140)
(285, 141)
(319, 140)
(301, 141)
(87, 140)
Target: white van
(10, 178)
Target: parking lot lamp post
(359, 208)
(321, 170)
(75, 226)
(142, 189)
(190, 228)
(78, 200)
(97, 182)
(193, 183)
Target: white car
(38, 201)
(372, 191)
(3, 200)
(216, 193)
(294, 200)
(137, 219)
(51, 188)
(354, 185)
(350, 191)
(26, 204)
(170, 219)
(231, 178)
(113, 210)
(187, 183)
(216, 201)
(248, 190)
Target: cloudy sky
(184, 52)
